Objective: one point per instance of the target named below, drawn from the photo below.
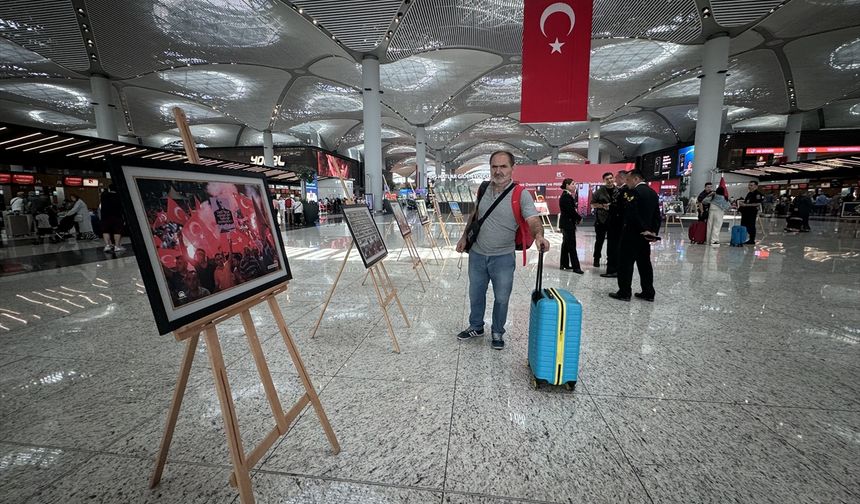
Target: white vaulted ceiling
(238, 67)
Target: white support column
(420, 156)
(793, 127)
(554, 156)
(710, 116)
(594, 142)
(372, 129)
(268, 149)
(103, 107)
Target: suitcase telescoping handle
(539, 280)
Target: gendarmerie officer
(641, 223)
(615, 225)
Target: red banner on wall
(556, 55)
(546, 180)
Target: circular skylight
(846, 56)
(207, 84)
(625, 60)
(218, 23)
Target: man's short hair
(507, 153)
(622, 172)
(754, 182)
(708, 183)
(636, 173)
(605, 174)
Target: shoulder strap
(495, 203)
(522, 227)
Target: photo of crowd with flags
(210, 236)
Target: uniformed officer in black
(641, 223)
(616, 224)
(749, 208)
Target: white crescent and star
(558, 7)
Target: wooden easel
(428, 232)
(441, 223)
(386, 293)
(242, 462)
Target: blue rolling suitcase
(739, 236)
(555, 324)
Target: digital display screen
(685, 161)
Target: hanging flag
(723, 185)
(556, 55)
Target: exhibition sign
(556, 56)
(455, 208)
(365, 234)
(204, 239)
(546, 180)
(400, 218)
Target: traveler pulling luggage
(555, 324)
(739, 236)
(698, 232)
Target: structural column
(420, 156)
(594, 142)
(792, 136)
(372, 129)
(554, 156)
(710, 116)
(268, 149)
(103, 107)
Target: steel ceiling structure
(239, 67)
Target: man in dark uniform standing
(601, 200)
(749, 208)
(615, 225)
(641, 223)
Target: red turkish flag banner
(196, 233)
(723, 185)
(556, 57)
(175, 213)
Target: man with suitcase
(641, 223)
(491, 254)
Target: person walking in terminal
(641, 223)
(491, 256)
(616, 224)
(567, 222)
(601, 199)
(749, 208)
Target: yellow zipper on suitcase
(559, 349)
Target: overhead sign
(5, 178)
(777, 151)
(556, 56)
(91, 182)
(73, 181)
(23, 179)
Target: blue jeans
(482, 270)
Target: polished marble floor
(741, 383)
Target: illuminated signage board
(777, 151)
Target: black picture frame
(366, 240)
(423, 215)
(168, 316)
(400, 219)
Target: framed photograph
(423, 216)
(205, 239)
(455, 208)
(851, 209)
(542, 207)
(400, 218)
(365, 234)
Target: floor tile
(26, 469)
(514, 442)
(391, 433)
(277, 488)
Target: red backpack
(524, 238)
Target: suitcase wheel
(535, 383)
(571, 385)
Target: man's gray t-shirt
(499, 231)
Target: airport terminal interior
(282, 318)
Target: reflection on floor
(741, 383)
